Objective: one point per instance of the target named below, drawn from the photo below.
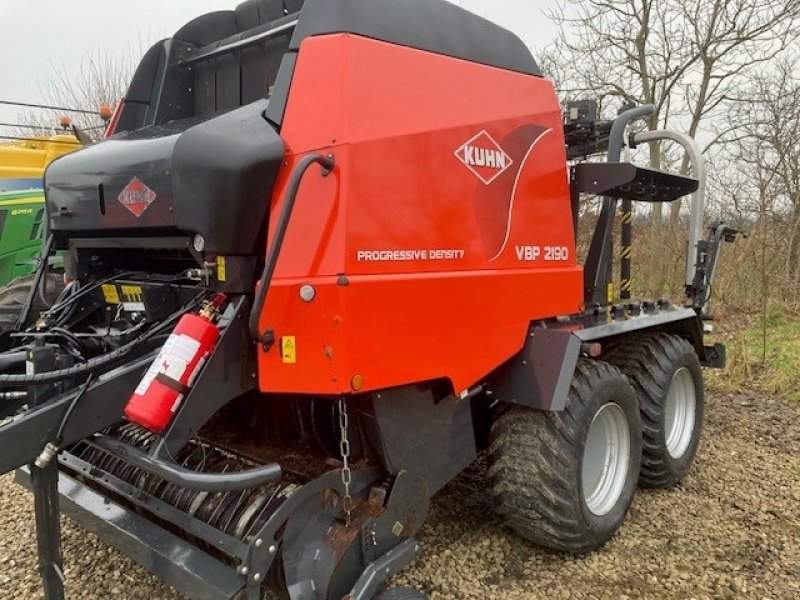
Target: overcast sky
(38, 36)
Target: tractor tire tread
(647, 360)
(531, 455)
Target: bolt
(259, 543)
(243, 570)
(273, 549)
(307, 293)
(257, 577)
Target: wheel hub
(606, 459)
(679, 413)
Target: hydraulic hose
(94, 363)
(61, 374)
(40, 274)
(10, 360)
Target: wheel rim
(606, 459)
(679, 413)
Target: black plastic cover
(437, 26)
(212, 177)
(140, 102)
(166, 87)
(163, 89)
(82, 188)
(224, 172)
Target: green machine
(22, 228)
(22, 224)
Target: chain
(344, 449)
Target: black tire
(15, 294)
(651, 361)
(536, 463)
(401, 593)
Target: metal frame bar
(695, 154)
(167, 556)
(597, 270)
(138, 497)
(379, 572)
(171, 558)
(228, 373)
(170, 471)
(607, 330)
(24, 437)
(41, 271)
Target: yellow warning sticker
(397, 528)
(221, 268)
(610, 293)
(132, 293)
(110, 293)
(289, 349)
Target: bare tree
(101, 81)
(767, 114)
(686, 57)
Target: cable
(59, 305)
(47, 107)
(51, 449)
(21, 126)
(72, 339)
(71, 408)
(100, 361)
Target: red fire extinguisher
(162, 389)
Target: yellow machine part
(28, 159)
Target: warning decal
(289, 349)
(110, 293)
(175, 355)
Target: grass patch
(772, 367)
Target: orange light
(105, 112)
(65, 122)
(111, 124)
(357, 383)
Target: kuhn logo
(484, 157)
(136, 197)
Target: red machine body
(444, 230)
(172, 373)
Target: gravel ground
(730, 531)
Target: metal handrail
(172, 472)
(267, 338)
(695, 154)
(598, 261)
